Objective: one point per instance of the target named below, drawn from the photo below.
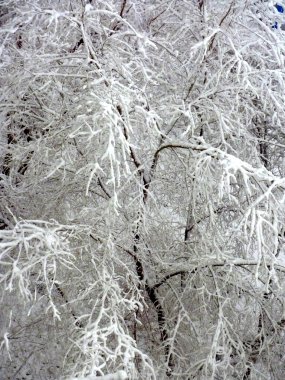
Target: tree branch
(216, 263)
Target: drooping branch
(169, 276)
(192, 268)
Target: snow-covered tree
(142, 190)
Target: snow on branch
(120, 375)
(35, 247)
(208, 263)
(230, 164)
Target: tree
(142, 213)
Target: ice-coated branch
(193, 268)
(120, 375)
(142, 189)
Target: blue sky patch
(279, 8)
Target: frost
(142, 190)
(120, 375)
